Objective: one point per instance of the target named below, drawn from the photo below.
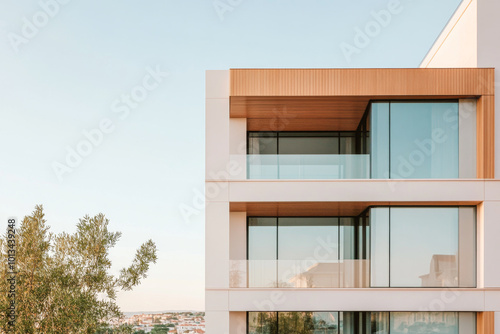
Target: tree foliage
(63, 282)
(160, 329)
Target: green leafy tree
(159, 329)
(122, 329)
(141, 331)
(63, 281)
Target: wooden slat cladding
(367, 82)
(302, 209)
(486, 323)
(303, 113)
(486, 137)
(324, 107)
(302, 124)
(298, 107)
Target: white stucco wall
(217, 228)
(488, 55)
(456, 46)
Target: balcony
(380, 248)
(308, 166)
(393, 140)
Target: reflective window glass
(423, 140)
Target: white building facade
(357, 200)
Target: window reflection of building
(443, 271)
(347, 274)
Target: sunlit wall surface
(361, 322)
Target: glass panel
(294, 322)
(262, 323)
(308, 166)
(350, 265)
(423, 140)
(262, 167)
(262, 244)
(424, 322)
(379, 224)
(361, 322)
(379, 323)
(262, 143)
(379, 140)
(308, 252)
(347, 145)
(308, 322)
(347, 240)
(424, 247)
(305, 145)
(326, 322)
(364, 322)
(348, 323)
(305, 155)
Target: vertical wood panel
(375, 83)
(486, 137)
(486, 323)
(480, 137)
(352, 82)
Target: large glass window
(301, 142)
(308, 252)
(299, 264)
(424, 322)
(361, 322)
(380, 141)
(307, 322)
(383, 247)
(394, 139)
(262, 323)
(262, 251)
(414, 140)
(380, 247)
(423, 247)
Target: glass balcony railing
(308, 166)
(299, 274)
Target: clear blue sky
(65, 77)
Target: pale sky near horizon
(66, 75)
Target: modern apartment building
(358, 200)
